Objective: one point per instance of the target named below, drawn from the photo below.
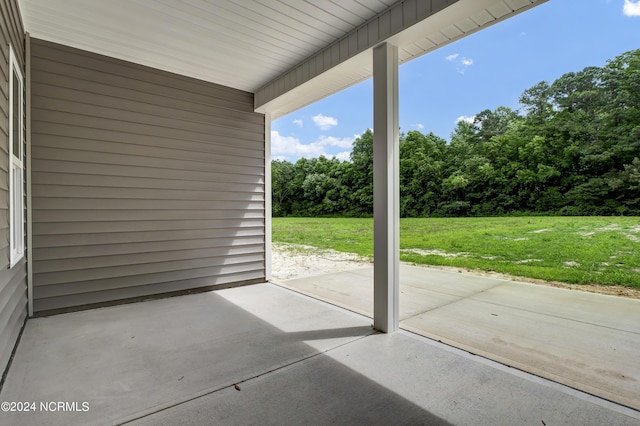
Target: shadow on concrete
(179, 360)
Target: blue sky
(485, 70)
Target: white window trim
(16, 167)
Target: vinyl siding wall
(144, 182)
(13, 282)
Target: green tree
(282, 174)
(421, 168)
(574, 150)
(362, 160)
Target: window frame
(16, 163)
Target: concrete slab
(416, 295)
(596, 359)
(445, 282)
(126, 359)
(395, 379)
(584, 340)
(317, 391)
(356, 296)
(266, 355)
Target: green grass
(579, 250)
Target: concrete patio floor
(263, 354)
(583, 340)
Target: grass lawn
(579, 250)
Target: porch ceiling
(261, 46)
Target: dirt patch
(291, 261)
(523, 261)
(540, 231)
(435, 252)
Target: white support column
(386, 189)
(267, 196)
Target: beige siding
(144, 182)
(13, 282)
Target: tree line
(573, 149)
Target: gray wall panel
(92, 157)
(204, 143)
(50, 241)
(58, 228)
(13, 282)
(51, 216)
(73, 281)
(81, 168)
(80, 299)
(106, 118)
(144, 182)
(108, 250)
(67, 89)
(142, 150)
(78, 191)
(79, 263)
(125, 182)
(145, 79)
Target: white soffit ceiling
(238, 43)
(289, 52)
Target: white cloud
(469, 119)
(336, 142)
(631, 8)
(291, 148)
(419, 126)
(283, 147)
(462, 62)
(324, 122)
(298, 122)
(344, 156)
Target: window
(16, 157)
